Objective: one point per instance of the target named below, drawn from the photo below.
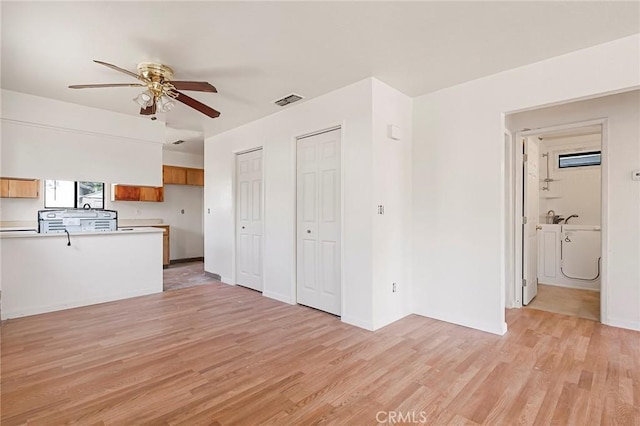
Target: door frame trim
(234, 208)
(508, 202)
(294, 150)
(604, 207)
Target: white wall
(350, 107)
(622, 156)
(184, 159)
(458, 181)
(48, 139)
(574, 190)
(392, 189)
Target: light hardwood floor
(218, 354)
(567, 301)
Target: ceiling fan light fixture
(144, 99)
(165, 103)
(161, 90)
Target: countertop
(120, 231)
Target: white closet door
(249, 211)
(318, 222)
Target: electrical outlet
(208, 211)
(182, 211)
(380, 209)
(394, 288)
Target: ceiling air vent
(288, 99)
(178, 142)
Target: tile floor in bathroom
(567, 301)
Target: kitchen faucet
(566, 221)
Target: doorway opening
(559, 198)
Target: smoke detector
(289, 99)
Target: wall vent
(178, 142)
(289, 99)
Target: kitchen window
(70, 194)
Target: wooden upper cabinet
(195, 177)
(176, 175)
(138, 193)
(4, 188)
(151, 193)
(19, 188)
(126, 193)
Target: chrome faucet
(566, 221)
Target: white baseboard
(383, 322)
(575, 286)
(367, 325)
(499, 329)
(279, 297)
(622, 323)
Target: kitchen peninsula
(43, 273)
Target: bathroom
(569, 225)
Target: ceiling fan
(160, 91)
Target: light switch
(393, 132)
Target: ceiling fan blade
(198, 86)
(197, 105)
(149, 110)
(132, 74)
(91, 86)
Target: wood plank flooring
(218, 354)
(567, 301)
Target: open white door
(318, 222)
(531, 202)
(249, 220)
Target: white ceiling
(257, 52)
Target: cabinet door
(4, 188)
(195, 177)
(151, 193)
(174, 175)
(126, 193)
(24, 188)
(19, 188)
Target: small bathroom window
(579, 159)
